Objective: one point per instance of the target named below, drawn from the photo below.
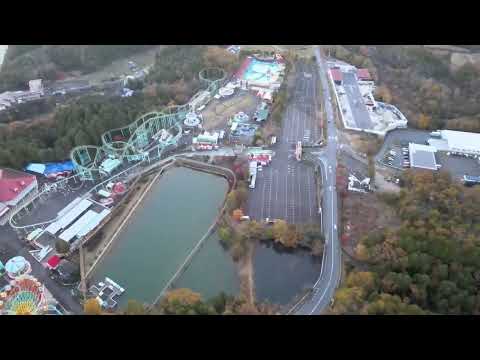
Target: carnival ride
(135, 146)
(136, 141)
(24, 296)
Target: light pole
(321, 218)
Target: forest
(428, 265)
(26, 62)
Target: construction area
(359, 110)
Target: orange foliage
(237, 214)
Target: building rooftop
(12, 183)
(462, 141)
(336, 75)
(363, 74)
(422, 156)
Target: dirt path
(245, 272)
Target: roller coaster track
(133, 143)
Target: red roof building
(337, 75)
(53, 262)
(15, 185)
(363, 75)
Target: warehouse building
(461, 142)
(422, 156)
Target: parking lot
(397, 156)
(457, 166)
(286, 188)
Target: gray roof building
(422, 156)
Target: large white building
(457, 142)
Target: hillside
(434, 86)
(430, 264)
(26, 62)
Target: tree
(215, 56)
(185, 302)
(237, 214)
(424, 121)
(384, 94)
(280, 229)
(225, 235)
(92, 307)
(286, 234)
(135, 308)
(61, 246)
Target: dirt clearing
(363, 214)
(217, 113)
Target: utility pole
(321, 218)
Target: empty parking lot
(286, 188)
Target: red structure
(53, 262)
(364, 75)
(14, 185)
(337, 76)
(242, 68)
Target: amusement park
(71, 221)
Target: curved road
(324, 289)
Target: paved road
(286, 188)
(324, 288)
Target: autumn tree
(135, 308)
(424, 121)
(286, 234)
(92, 307)
(184, 302)
(61, 246)
(237, 214)
(384, 94)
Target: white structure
(68, 217)
(207, 138)
(192, 119)
(422, 156)
(17, 266)
(36, 86)
(461, 142)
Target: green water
(173, 216)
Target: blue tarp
(50, 168)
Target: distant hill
(26, 62)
